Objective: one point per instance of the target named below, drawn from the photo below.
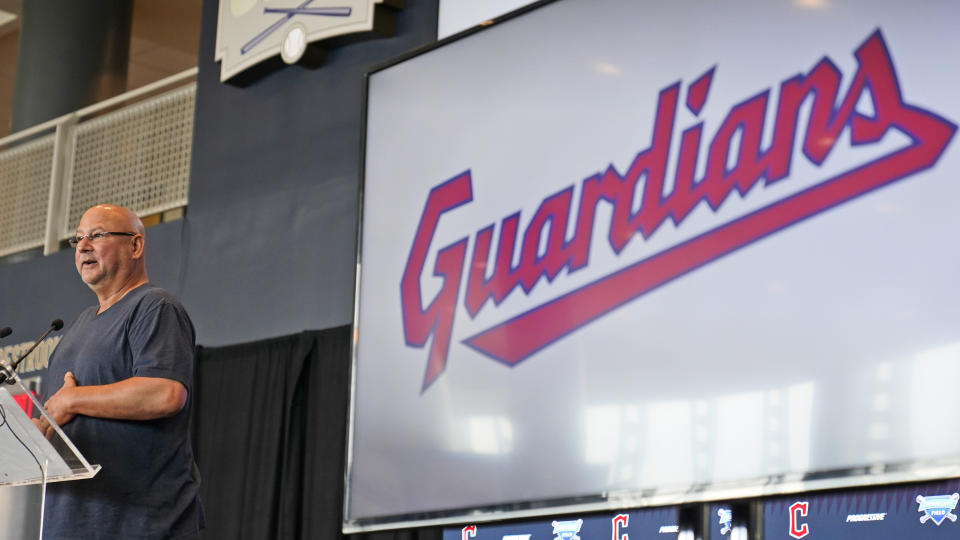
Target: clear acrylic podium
(26, 455)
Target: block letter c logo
(797, 511)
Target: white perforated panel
(138, 157)
(25, 184)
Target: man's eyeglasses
(95, 237)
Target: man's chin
(90, 278)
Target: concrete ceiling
(164, 40)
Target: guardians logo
(830, 113)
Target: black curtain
(269, 431)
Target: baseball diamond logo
(937, 508)
(830, 113)
(251, 31)
(725, 516)
(567, 530)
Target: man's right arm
(136, 398)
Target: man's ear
(138, 245)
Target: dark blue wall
(268, 244)
(274, 185)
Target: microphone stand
(8, 372)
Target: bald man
(119, 384)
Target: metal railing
(137, 156)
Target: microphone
(5, 331)
(8, 373)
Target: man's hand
(59, 405)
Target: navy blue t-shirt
(147, 487)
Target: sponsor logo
(36, 361)
(620, 522)
(857, 518)
(726, 519)
(667, 529)
(545, 249)
(251, 31)
(798, 510)
(567, 530)
(937, 508)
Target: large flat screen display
(634, 253)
